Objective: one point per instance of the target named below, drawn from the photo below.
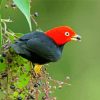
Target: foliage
(24, 6)
(17, 77)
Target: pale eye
(67, 33)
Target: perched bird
(44, 47)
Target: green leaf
(3, 66)
(23, 81)
(24, 6)
(15, 94)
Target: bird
(44, 47)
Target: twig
(34, 20)
(37, 94)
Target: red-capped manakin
(44, 47)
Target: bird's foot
(38, 69)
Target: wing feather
(43, 48)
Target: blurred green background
(80, 60)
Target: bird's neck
(51, 37)
(61, 47)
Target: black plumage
(38, 48)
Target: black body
(38, 48)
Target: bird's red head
(61, 35)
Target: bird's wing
(19, 47)
(30, 36)
(44, 48)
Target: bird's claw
(37, 69)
